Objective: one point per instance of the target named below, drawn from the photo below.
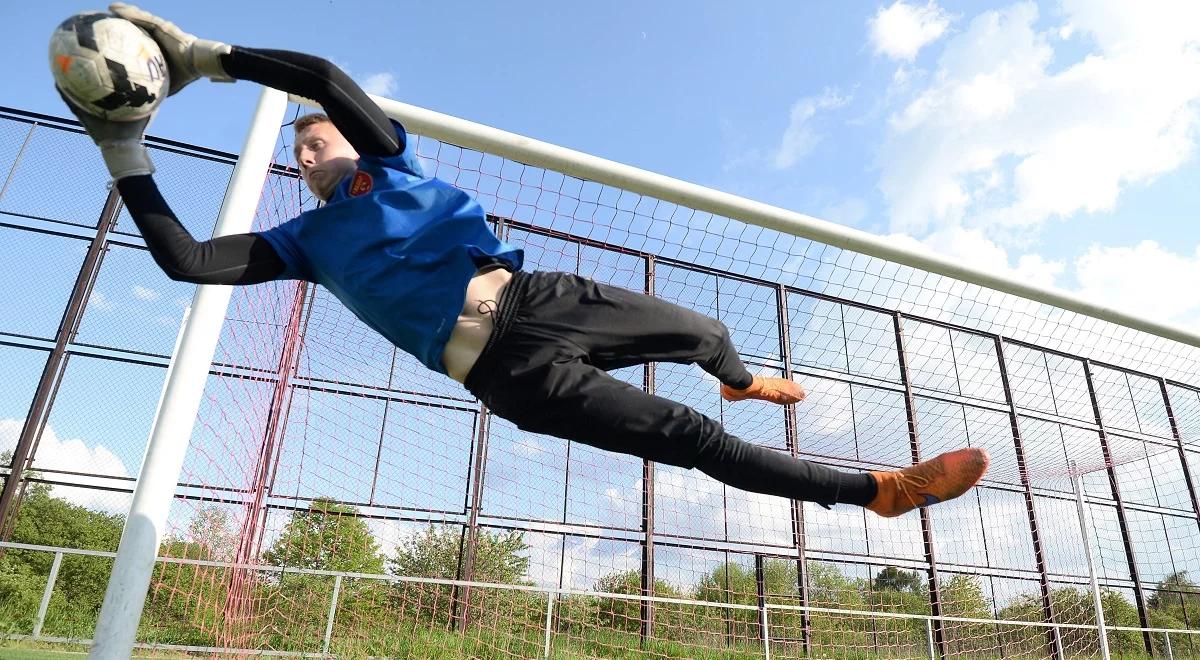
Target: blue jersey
(397, 248)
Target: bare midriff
(475, 321)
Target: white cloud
(380, 84)
(73, 455)
(901, 30)
(1142, 279)
(143, 293)
(800, 138)
(846, 212)
(999, 141)
(971, 246)
(100, 301)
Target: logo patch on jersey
(361, 184)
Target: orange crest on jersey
(361, 184)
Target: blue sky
(1049, 139)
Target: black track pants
(545, 365)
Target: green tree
(829, 587)
(1076, 606)
(434, 552)
(732, 582)
(620, 614)
(963, 596)
(186, 603)
(891, 578)
(327, 536)
(1175, 598)
(903, 592)
(79, 588)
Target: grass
(444, 645)
(23, 650)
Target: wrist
(206, 57)
(125, 158)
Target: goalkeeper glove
(187, 57)
(120, 142)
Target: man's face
(324, 157)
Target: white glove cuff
(206, 57)
(126, 158)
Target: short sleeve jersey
(398, 248)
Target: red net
(340, 497)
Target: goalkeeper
(413, 257)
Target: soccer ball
(108, 67)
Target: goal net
(338, 497)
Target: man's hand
(187, 57)
(120, 142)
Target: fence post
(549, 623)
(1077, 482)
(760, 588)
(333, 602)
(1167, 646)
(929, 639)
(41, 615)
(766, 632)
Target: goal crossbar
(519, 148)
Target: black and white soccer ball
(108, 66)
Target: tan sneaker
(928, 482)
(775, 390)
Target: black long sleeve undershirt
(355, 115)
(234, 259)
(249, 258)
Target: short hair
(308, 120)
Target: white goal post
(180, 400)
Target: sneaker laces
(917, 477)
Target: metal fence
(86, 327)
(763, 609)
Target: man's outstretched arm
(234, 259)
(352, 112)
(237, 259)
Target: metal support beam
(1187, 470)
(333, 603)
(49, 591)
(250, 536)
(1122, 519)
(1094, 580)
(760, 592)
(910, 409)
(461, 598)
(791, 433)
(646, 626)
(56, 365)
(1053, 638)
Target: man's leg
(580, 402)
(535, 372)
(618, 328)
